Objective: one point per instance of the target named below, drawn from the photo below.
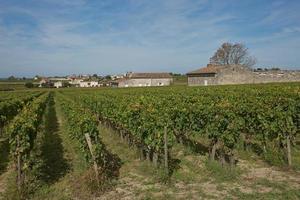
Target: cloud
(111, 36)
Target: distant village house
(89, 84)
(144, 80)
(58, 84)
(70, 81)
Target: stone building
(237, 74)
(88, 84)
(58, 84)
(145, 79)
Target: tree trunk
(222, 158)
(264, 145)
(289, 155)
(129, 140)
(121, 134)
(148, 155)
(232, 160)
(245, 142)
(213, 151)
(155, 159)
(141, 152)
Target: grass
(4, 154)
(65, 164)
(55, 164)
(288, 194)
(180, 80)
(222, 173)
(12, 86)
(195, 176)
(296, 157)
(11, 191)
(153, 183)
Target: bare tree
(233, 54)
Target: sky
(61, 37)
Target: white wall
(145, 82)
(89, 84)
(58, 84)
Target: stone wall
(194, 81)
(145, 82)
(276, 76)
(234, 75)
(239, 75)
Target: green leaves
(261, 112)
(23, 129)
(11, 107)
(81, 121)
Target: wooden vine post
(288, 144)
(213, 151)
(155, 158)
(20, 174)
(141, 152)
(19, 165)
(89, 142)
(166, 150)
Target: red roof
(210, 69)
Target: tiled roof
(149, 75)
(206, 70)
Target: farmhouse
(88, 84)
(58, 84)
(75, 82)
(43, 81)
(145, 79)
(237, 74)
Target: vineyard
(228, 142)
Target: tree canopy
(233, 54)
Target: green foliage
(221, 173)
(22, 134)
(260, 113)
(82, 121)
(12, 103)
(29, 85)
(273, 157)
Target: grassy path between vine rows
(62, 160)
(4, 168)
(195, 178)
(140, 180)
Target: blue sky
(59, 37)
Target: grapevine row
(22, 134)
(11, 107)
(83, 126)
(223, 115)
